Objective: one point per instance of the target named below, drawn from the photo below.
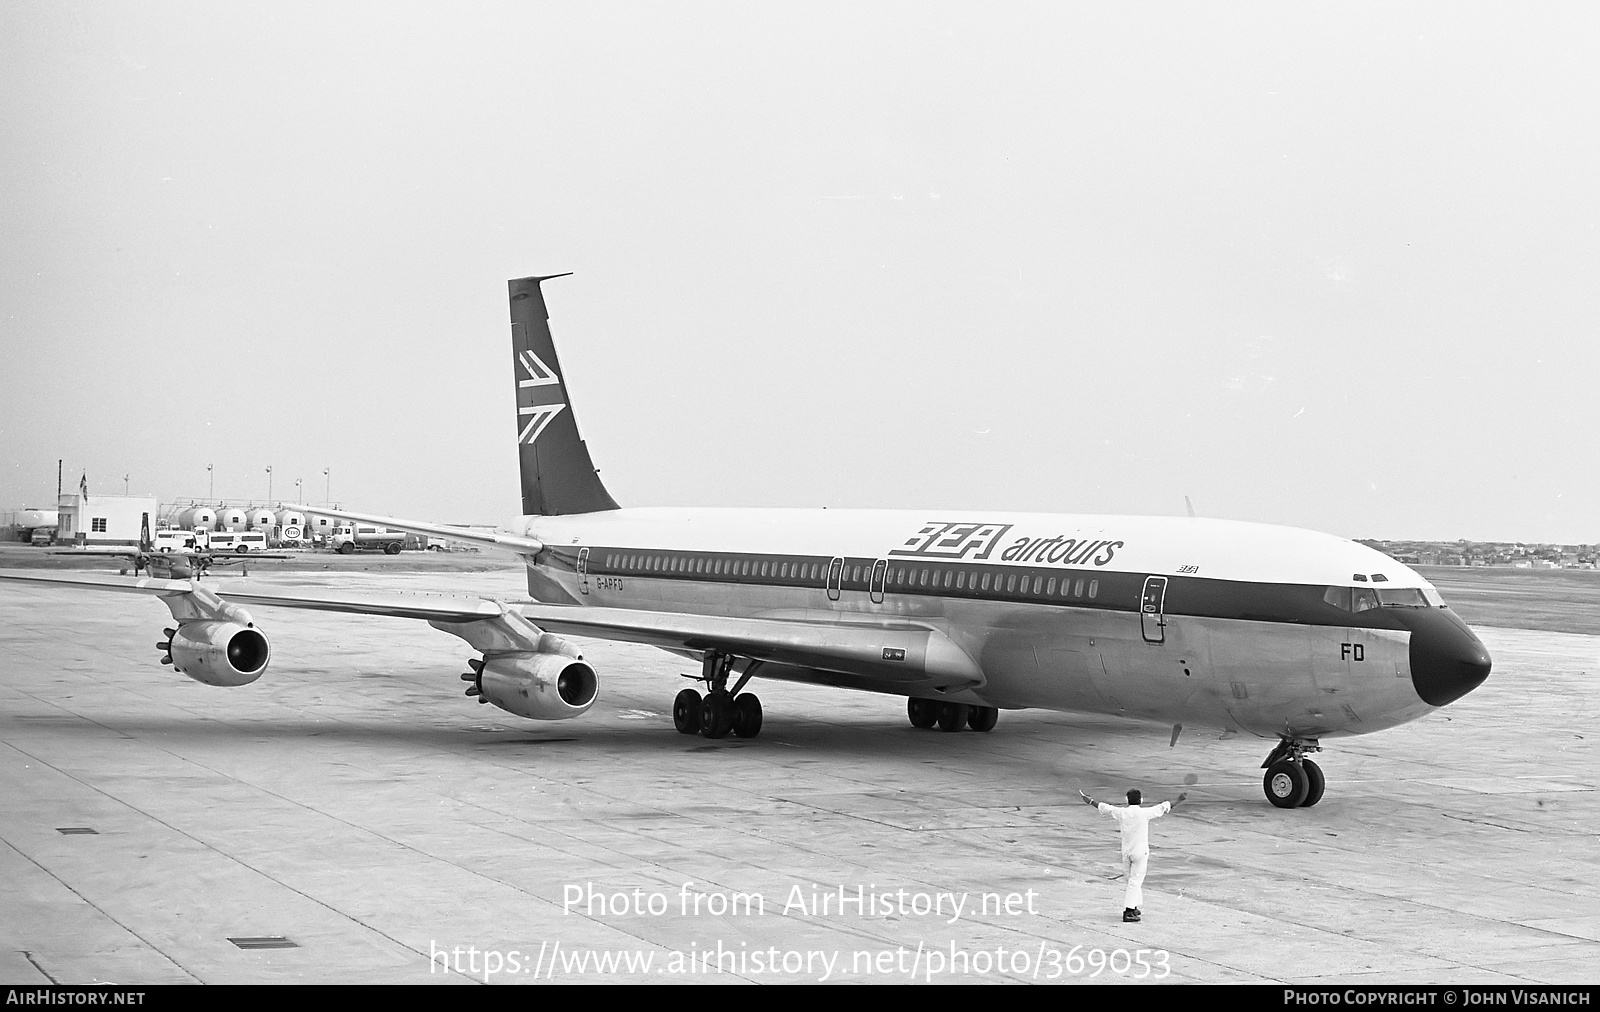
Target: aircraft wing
(901, 653)
(492, 539)
(896, 655)
(393, 604)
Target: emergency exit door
(1151, 616)
(835, 577)
(880, 571)
(583, 570)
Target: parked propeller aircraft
(172, 562)
(1286, 634)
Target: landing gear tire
(716, 714)
(1286, 784)
(686, 712)
(746, 715)
(1316, 782)
(952, 716)
(924, 713)
(983, 718)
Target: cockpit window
(1402, 597)
(1359, 599)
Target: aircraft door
(1151, 617)
(835, 576)
(880, 570)
(583, 570)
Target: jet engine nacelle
(539, 686)
(217, 653)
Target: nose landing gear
(720, 710)
(1292, 780)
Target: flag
(83, 486)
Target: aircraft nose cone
(1447, 659)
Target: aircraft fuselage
(1274, 631)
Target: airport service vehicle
(347, 538)
(33, 525)
(238, 542)
(173, 540)
(1286, 634)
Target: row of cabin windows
(715, 567)
(949, 579)
(898, 576)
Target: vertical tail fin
(558, 477)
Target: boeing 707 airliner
(1286, 634)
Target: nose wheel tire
(686, 712)
(1316, 783)
(1286, 784)
(924, 713)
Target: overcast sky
(1334, 266)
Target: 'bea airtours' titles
(978, 541)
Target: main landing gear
(1292, 780)
(720, 710)
(951, 716)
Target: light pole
(124, 486)
(211, 479)
(269, 484)
(327, 489)
(297, 496)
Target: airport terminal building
(103, 519)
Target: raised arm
(1092, 803)
(1182, 797)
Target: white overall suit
(1135, 824)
